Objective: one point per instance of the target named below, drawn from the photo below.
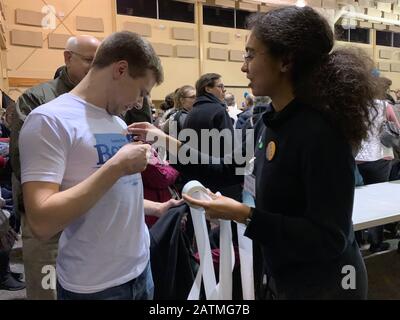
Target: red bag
(158, 180)
(159, 174)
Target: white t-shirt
(64, 142)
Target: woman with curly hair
(304, 156)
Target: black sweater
(304, 203)
(210, 113)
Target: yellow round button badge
(271, 150)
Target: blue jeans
(140, 288)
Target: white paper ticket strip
(206, 269)
(222, 290)
(226, 262)
(246, 263)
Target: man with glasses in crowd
(78, 56)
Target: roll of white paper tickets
(195, 190)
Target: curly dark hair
(339, 83)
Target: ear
(285, 64)
(120, 69)
(67, 57)
(207, 89)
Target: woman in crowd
(183, 103)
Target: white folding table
(376, 204)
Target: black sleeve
(220, 173)
(322, 233)
(216, 171)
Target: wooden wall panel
(28, 17)
(58, 41)
(218, 54)
(26, 38)
(89, 24)
(142, 29)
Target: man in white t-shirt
(40, 255)
(80, 175)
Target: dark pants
(4, 263)
(375, 172)
(322, 281)
(140, 288)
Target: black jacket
(210, 113)
(172, 263)
(304, 204)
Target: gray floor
(384, 274)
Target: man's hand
(157, 209)
(165, 206)
(132, 158)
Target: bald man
(39, 256)
(78, 55)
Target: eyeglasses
(221, 86)
(248, 56)
(88, 60)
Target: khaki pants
(37, 254)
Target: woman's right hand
(146, 132)
(220, 207)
